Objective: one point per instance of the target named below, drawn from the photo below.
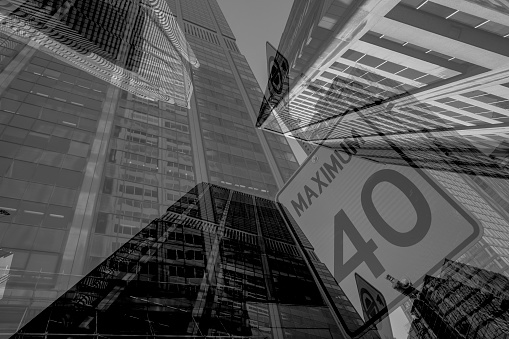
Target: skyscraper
(412, 70)
(85, 165)
(135, 45)
(428, 95)
(218, 263)
(463, 302)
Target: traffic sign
(277, 83)
(376, 219)
(374, 306)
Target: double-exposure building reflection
(5, 266)
(85, 165)
(135, 45)
(428, 75)
(218, 263)
(463, 302)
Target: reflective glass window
(62, 131)
(5, 164)
(42, 262)
(29, 110)
(70, 179)
(22, 122)
(37, 139)
(29, 154)
(46, 174)
(12, 188)
(82, 136)
(22, 170)
(19, 236)
(9, 105)
(51, 158)
(20, 258)
(5, 117)
(14, 134)
(15, 95)
(58, 144)
(43, 127)
(38, 192)
(79, 149)
(57, 217)
(48, 240)
(87, 124)
(30, 213)
(63, 196)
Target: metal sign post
(374, 306)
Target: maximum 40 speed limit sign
(374, 220)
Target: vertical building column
(274, 310)
(329, 302)
(74, 257)
(200, 165)
(265, 145)
(73, 260)
(212, 270)
(13, 69)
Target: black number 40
(365, 249)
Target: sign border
(475, 236)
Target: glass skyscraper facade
(219, 263)
(136, 45)
(463, 302)
(85, 165)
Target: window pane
(29, 110)
(62, 131)
(51, 158)
(71, 179)
(82, 136)
(12, 188)
(87, 124)
(49, 240)
(46, 174)
(19, 260)
(9, 105)
(43, 127)
(14, 94)
(21, 170)
(5, 165)
(74, 163)
(42, 262)
(63, 196)
(36, 139)
(8, 149)
(29, 154)
(22, 122)
(14, 134)
(38, 192)
(59, 145)
(467, 19)
(79, 149)
(19, 236)
(30, 213)
(57, 217)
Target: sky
(254, 22)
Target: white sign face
(375, 220)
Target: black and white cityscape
(152, 186)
